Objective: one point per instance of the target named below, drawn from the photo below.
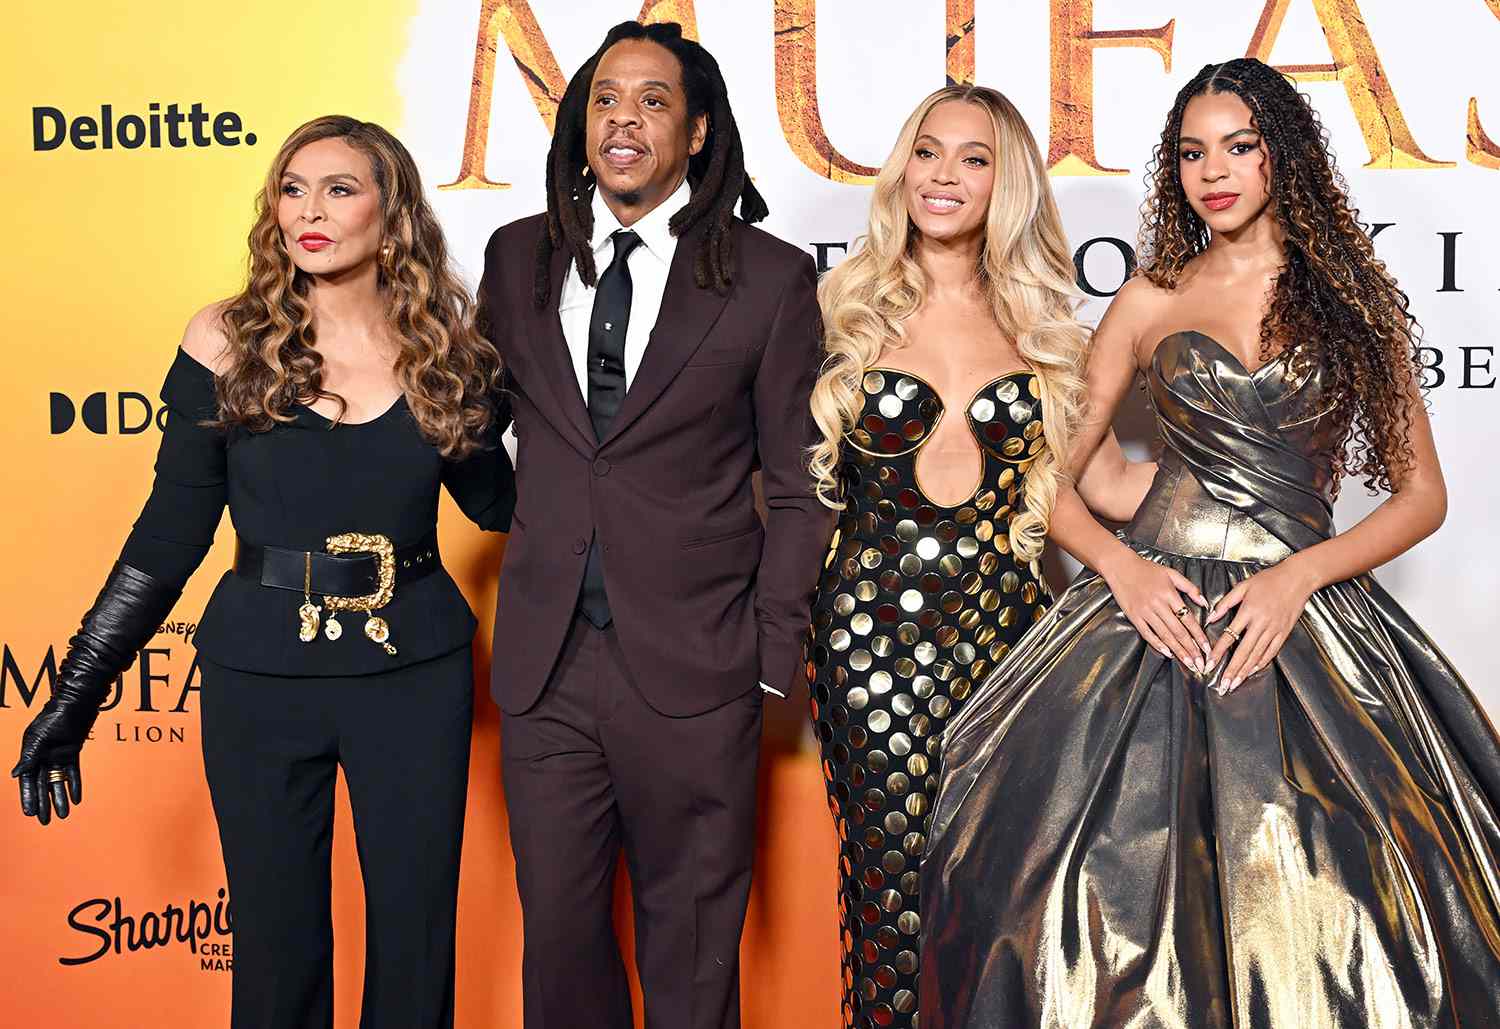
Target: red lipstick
(314, 241)
(1220, 201)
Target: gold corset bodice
(1244, 473)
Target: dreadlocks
(716, 173)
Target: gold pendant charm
(378, 631)
(332, 629)
(307, 615)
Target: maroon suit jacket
(706, 600)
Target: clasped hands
(1266, 605)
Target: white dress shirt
(649, 264)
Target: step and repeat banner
(134, 138)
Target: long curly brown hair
(446, 369)
(1334, 304)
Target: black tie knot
(625, 240)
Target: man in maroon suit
(643, 607)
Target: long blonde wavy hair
(1026, 271)
(446, 369)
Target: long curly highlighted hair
(1026, 271)
(1334, 305)
(446, 369)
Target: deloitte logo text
(154, 130)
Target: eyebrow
(1246, 131)
(327, 178)
(615, 84)
(934, 139)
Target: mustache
(623, 140)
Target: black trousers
(590, 769)
(271, 747)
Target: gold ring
(1181, 612)
(56, 775)
(1232, 635)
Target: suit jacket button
(601, 467)
(580, 545)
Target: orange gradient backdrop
(105, 254)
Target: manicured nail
(1207, 650)
(1234, 683)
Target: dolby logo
(126, 413)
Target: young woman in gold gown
(1226, 780)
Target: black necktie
(611, 317)
(606, 368)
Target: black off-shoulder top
(294, 486)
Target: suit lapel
(552, 354)
(687, 314)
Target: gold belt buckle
(376, 628)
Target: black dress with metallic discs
(916, 603)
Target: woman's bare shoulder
(1139, 297)
(1135, 308)
(204, 339)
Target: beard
(629, 198)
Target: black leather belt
(332, 575)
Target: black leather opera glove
(124, 617)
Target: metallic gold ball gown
(1115, 844)
(916, 604)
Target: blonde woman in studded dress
(952, 379)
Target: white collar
(653, 229)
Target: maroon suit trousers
(596, 769)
